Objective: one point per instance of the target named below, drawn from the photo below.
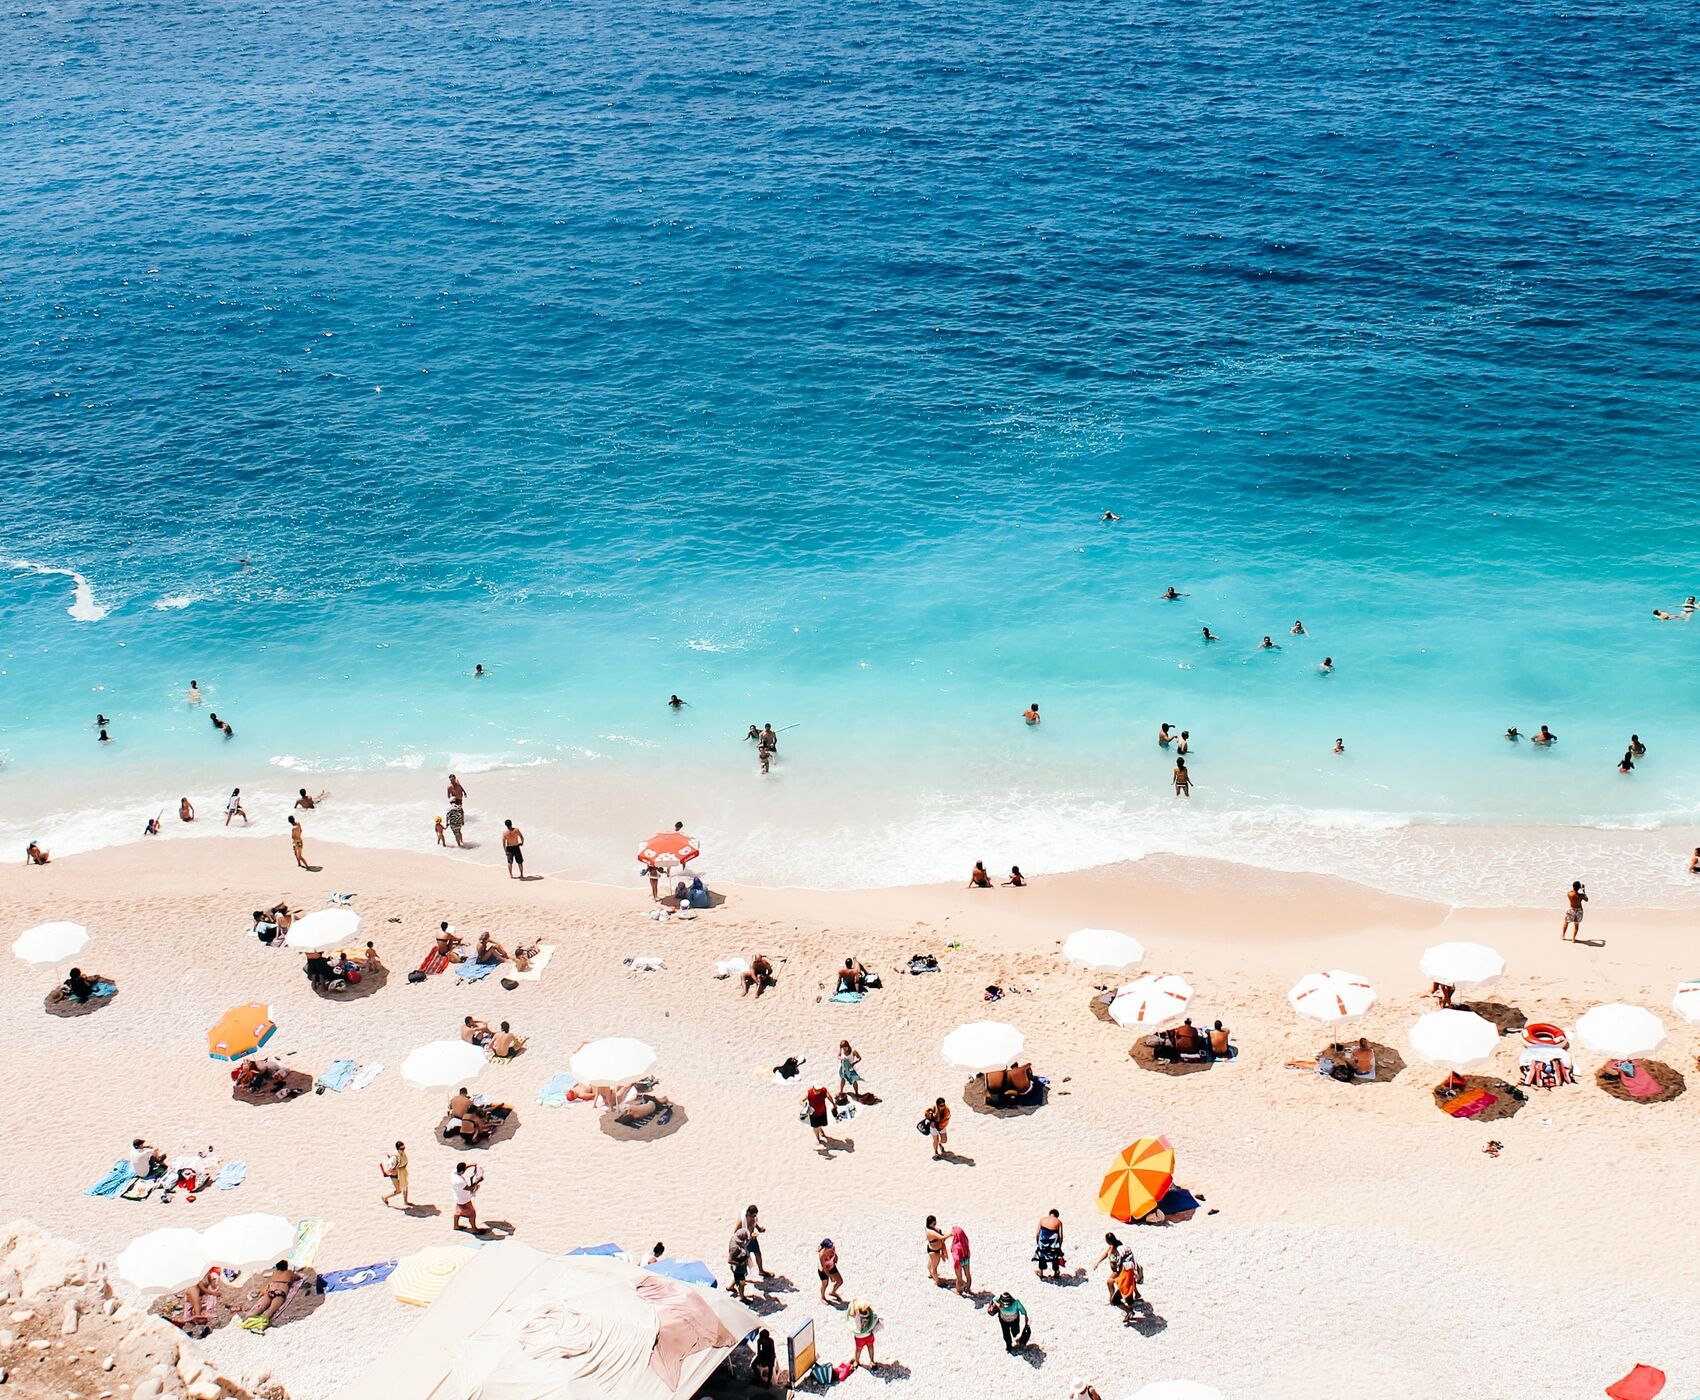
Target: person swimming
(1109, 517)
(1544, 738)
(1297, 629)
(1163, 736)
(1627, 763)
(1267, 645)
(194, 695)
(1327, 666)
(1636, 747)
(1209, 636)
(1184, 742)
(1339, 746)
(1169, 594)
(1513, 734)
(674, 702)
(105, 738)
(478, 671)
(1031, 713)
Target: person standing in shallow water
(1183, 779)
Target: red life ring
(1544, 1033)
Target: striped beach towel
(309, 1235)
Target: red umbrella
(667, 849)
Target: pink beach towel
(1641, 1084)
(1643, 1383)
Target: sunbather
(320, 972)
(35, 855)
(1363, 1060)
(489, 951)
(524, 953)
(200, 1302)
(449, 942)
(261, 1076)
(1221, 1046)
(474, 1031)
(504, 1044)
(276, 1283)
(760, 976)
(460, 1103)
(144, 1159)
(852, 977)
(77, 986)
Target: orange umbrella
(668, 848)
(241, 1031)
(1141, 1176)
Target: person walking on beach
(815, 1100)
(1011, 1314)
(1183, 779)
(513, 842)
(467, 1181)
(756, 1229)
(936, 1242)
(738, 1261)
(1048, 1244)
(937, 1119)
(767, 745)
(442, 832)
(849, 1072)
(394, 1169)
(295, 837)
(457, 820)
(1575, 897)
(456, 793)
(233, 808)
(827, 1268)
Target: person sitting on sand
(144, 1159)
(449, 943)
(504, 1044)
(263, 1075)
(1187, 1038)
(77, 986)
(276, 1283)
(1221, 1046)
(760, 976)
(489, 951)
(475, 1032)
(766, 1360)
(1363, 1059)
(35, 855)
(460, 1103)
(1016, 878)
(852, 977)
(978, 879)
(185, 810)
(319, 971)
(1694, 862)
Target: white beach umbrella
(1621, 1031)
(441, 1063)
(1103, 950)
(1177, 1390)
(322, 930)
(1686, 1002)
(51, 943)
(243, 1241)
(1472, 965)
(983, 1045)
(611, 1062)
(163, 1261)
(1455, 1040)
(1151, 1003)
(1332, 996)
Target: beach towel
(338, 1075)
(1643, 1383)
(231, 1175)
(553, 1094)
(139, 1189)
(367, 1074)
(470, 971)
(851, 997)
(309, 1235)
(1640, 1084)
(113, 1182)
(647, 962)
(602, 1251)
(539, 961)
(1469, 1104)
(684, 1270)
(105, 989)
(342, 1280)
(434, 962)
(339, 899)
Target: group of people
(1187, 1041)
(766, 741)
(979, 878)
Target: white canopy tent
(517, 1324)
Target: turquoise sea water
(785, 357)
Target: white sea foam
(83, 607)
(172, 602)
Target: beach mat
(338, 1075)
(539, 962)
(469, 971)
(1643, 1383)
(851, 997)
(342, 1280)
(1470, 1103)
(309, 1236)
(113, 1183)
(553, 1093)
(434, 962)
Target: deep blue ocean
(786, 358)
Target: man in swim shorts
(1575, 898)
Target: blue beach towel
(554, 1093)
(851, 997)
(471, 971)
(342, 1280)
(105, 989)
(603, 1250)
(685, 1270)
(113, 1182)
(230, 1175)
(1177, 1200)
(339, 1075)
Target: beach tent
(1151, 1003)
(1103, 950)
(517, 1324)
(1471, 966)
(1332, 996)
(51, 943)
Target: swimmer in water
(1110, 517)
(214, 718)
(1267, 645)
(753, 734)
(1663, 616)
(1163, 736)
(185, 810)
(1513, 734)
(1636, 747)
(675, 703)
(1694, 862)
(304, 803)
(1169, 594)
(1339, 746)
(1210, 636)
(1627, 763)
(1544, 738)
(194, 695)
(229, 733)
(1689, 603)
(1031, 713)
(101, 721)
(1184, 741)
(1327, 666)
(1297, 629)
(105, 738)
(478, 672)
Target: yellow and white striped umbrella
(421, 1278)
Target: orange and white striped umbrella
(1141, 1177)
(1151, 1003)
(1332, 996)
(241, 1031)
(667, 849)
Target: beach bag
(1341, 1072)
(822, 1374)
(1138, 1273)
(923, 1127)
(416, 975)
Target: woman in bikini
(828, 1271)
(935, 1251)
(1183, 779)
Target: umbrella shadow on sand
(1101, 1009)
(1509, 1019)
(69, 1008)
(1145, 1056)
(1672, 1084)
(1508, 1100)
(369, 983)
(1389, 1063)
(505, 1129)
(623, 1127)
(974, 1095)
(296, 1085)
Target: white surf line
(83, 607)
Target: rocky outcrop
(64, 1333)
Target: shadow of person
(1145, 1319)
(497, 1229)
(958, 1158)
(420, 1211)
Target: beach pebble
(108, 1363)
(23, 1315)
(8, 1339)
(71, 1320)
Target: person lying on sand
(760, 976)
(77, 986)
(275, 1283)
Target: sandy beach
(1354, 1240)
